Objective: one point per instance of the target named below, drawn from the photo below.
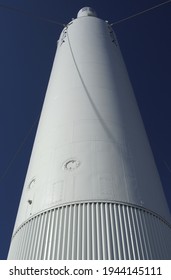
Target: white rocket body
(92, 190)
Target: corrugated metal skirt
(93, 231)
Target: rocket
(92, 190)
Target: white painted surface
(90, 115)
(91, 144)
(86, 11)
(93, 231)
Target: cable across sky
(140, 13)
(62, 24)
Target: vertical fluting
(93, 231)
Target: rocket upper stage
(91, 143)
(91, 167)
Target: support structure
(92, 190)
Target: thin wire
(31, 15)
(62, 24)
(140, 13)
(99, 117)
(30, 130)
(18, 151)
(167, 166)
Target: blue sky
(27, 51)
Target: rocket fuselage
(92, 190)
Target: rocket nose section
(86, 11)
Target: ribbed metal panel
(93, 230)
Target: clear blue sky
(27, 50)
